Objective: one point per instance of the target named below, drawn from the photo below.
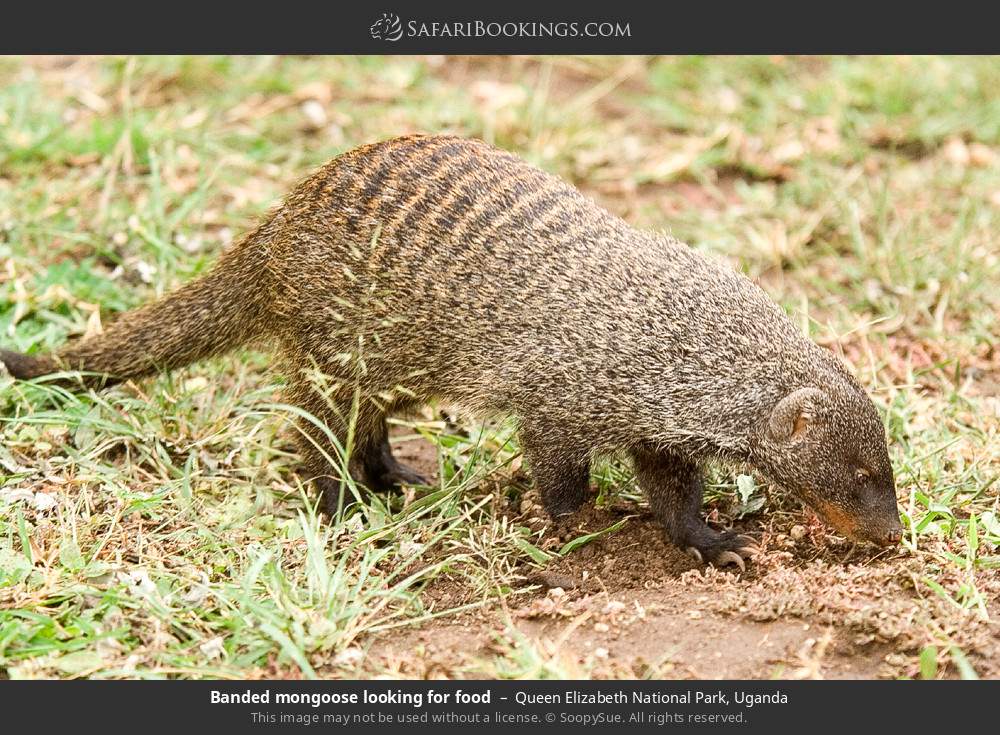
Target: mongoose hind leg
(380, 470)
(320, 462)
(370, 464)
(370, 461)
(674, 488)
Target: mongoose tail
(435, 267)
(208, 316)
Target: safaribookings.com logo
(387, 28)
(390, 28)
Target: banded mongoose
(439, 267)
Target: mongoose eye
(862, 475)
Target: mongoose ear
(795, 412)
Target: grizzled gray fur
(437, 267)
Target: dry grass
(158, 529)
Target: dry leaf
(493, 96)
(320, 91)
(981, 156)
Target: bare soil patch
(629, 603)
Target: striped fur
(438, 267)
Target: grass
(158, 529)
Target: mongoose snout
(426, 267)
(828, 446)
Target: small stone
(601, 627)
(315, 114)
(212, 648)
(729, 100)
(957, 152)
(349, 656)
(798, 532)
(145, 271)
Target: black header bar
(510, 27)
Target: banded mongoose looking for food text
(431, 267)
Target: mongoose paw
(329, 492)
(721, 549)
(563, 502)
(395, 475)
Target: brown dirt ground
(629, 604)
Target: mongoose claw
(730, 557)
(392, 476)
(403, 475)
(721, 548)
(749, 547)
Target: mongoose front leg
(561, 475)
(674, 488)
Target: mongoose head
(828, 446)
